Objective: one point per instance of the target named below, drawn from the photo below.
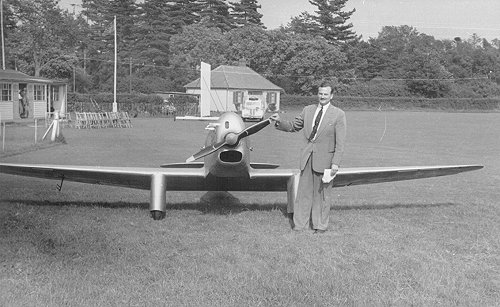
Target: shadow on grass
(36, 147)
(221, 203)
(218, 203)
(391, 206)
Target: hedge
(397, 103)
(134, 104)
(154, 105)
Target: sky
(443, 19)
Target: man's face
(324, 95)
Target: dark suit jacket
(328, 146)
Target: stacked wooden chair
(98, 120)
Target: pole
(3, 137)
(3, 41)
(130, 77)
(36, 129)
(115, 106)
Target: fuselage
(231, 160)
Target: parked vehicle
(253, 109)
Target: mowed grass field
(424, 242)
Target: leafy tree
(393, 45)
(245, 13)
(303, 24)
(158, 21)
(168, 17)
(362, 57)
(196, 43)
(329, 21)
(426, 76)
(470, 59)
(251, 43)
(215, 13)
(332, 20)
(300, 62)
(9, 25)
(314, 60)
(496, 43)
(425, 69)
(42, 35)
(100, 16)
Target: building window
(39, 92)
(55, 93)
(254, 93)
(6, 92)
(238, 99)
(271, 98)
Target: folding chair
(79, 120)
(125, 121)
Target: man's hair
(325, 84)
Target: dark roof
(17, 76)
(236, 77)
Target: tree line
(161, 43)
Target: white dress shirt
(325, 107)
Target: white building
(43, 94)
(232, 85)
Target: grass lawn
(424, 242)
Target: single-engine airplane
(226, 167)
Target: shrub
(397, 103)
(135, 104)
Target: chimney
(242, 62)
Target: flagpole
(3, 43)
(115, 106)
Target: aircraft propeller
(231, 139)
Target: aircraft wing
(159, 180)
(132, 177)
(356, 176)
(276, 179)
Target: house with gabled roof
(232, 85)
(42, 95)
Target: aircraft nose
(231, 156)
(231, 139)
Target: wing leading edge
(369, 175)
(132, 177)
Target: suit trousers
(311, 205)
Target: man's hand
(334, 169)
(275, 118)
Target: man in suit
(323, 133)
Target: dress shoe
(290, 220)
(319, 231)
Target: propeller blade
(253, 129)
(206, 151)
(230, 140)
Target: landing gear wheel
(157, 215)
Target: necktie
(316, 124)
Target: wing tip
(190, 159)
(474, 167)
